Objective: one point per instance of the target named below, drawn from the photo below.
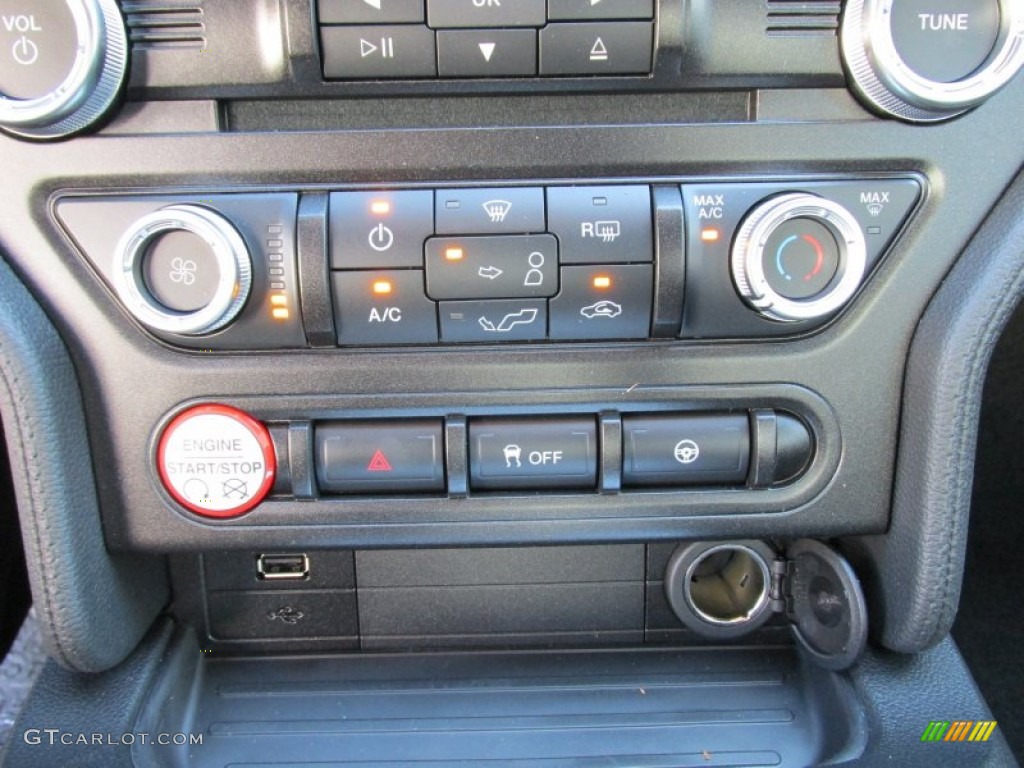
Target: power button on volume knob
(183, 269)
(62, 63)
(798, 257)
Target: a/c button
(383, 307)
(507, 454)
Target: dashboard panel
(571, 308)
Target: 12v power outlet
(216, 460)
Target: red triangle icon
(379, 463)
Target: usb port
(282, 567)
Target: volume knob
(183, 269)
(62, 64)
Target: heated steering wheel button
(685, 450)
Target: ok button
(509, 454)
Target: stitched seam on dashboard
(26, 436)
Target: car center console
(404, 325)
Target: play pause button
(487, 52)
(378, 51)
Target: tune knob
(62, 64)
(798, 257)
(183, 269)
(928, 60)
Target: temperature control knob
(798, 257)
(183, 269)
(62, 64)
(928, 60)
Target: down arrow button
(487, 53)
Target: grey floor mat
(17, 674)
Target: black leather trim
(93, 607)
(74, 706)
(903, 694)
(914, 571)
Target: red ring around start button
(216, 461)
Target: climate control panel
(545, 262)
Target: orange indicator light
(279, 300)
(382, 287)
(454, 253)
(380, 207)
(709, 235)
(279, 313)
(602, 282)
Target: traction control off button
(216, 461)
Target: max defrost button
(216, 460)
(380, 457)
(685, 450)
(507, 454)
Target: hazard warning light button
(216, 460)
(387, 457)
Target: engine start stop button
(216, 460)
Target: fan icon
(687, 451)
(183, 271)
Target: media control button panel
(555, 262)
(389, 39)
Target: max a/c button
(508, 454)
(380, 456)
